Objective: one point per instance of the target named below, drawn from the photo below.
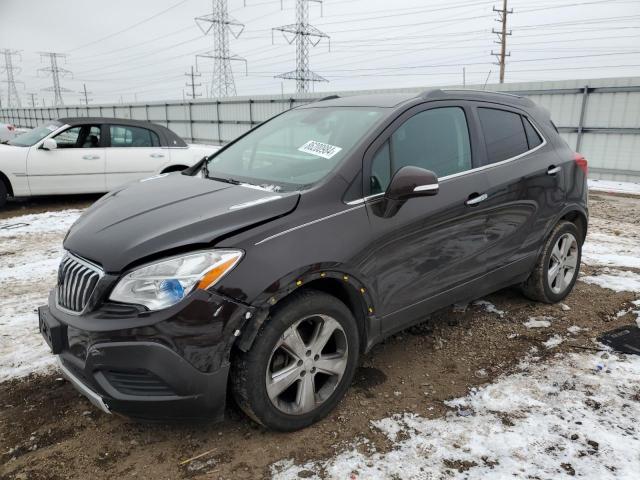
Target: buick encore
(269, 267)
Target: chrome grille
(77, 280)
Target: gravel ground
(48, 431)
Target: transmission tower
(502, 37)
(13, 99)
(304, 35)
(33, 98)
(56, 72)
(220, 24)
(193, 84)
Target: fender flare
(303, 278)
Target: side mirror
(49, 144)
(409, 182)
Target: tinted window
(532, 135)
(437, 140)
(125, 136)
(381, 170)
(503, 134)
(85, 136)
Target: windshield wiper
(232, 181)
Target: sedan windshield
(32, 137)
(296, 148)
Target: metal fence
(600, 118)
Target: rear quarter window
(504, 133)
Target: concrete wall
(598, 117)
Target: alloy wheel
(307, 364)
(563, 263)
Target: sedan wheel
(307, 364)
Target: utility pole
(220, 24)
(304, 35)
(193, 83)
(502, 37)
(13, 99)
(33, 99)
(85, 95)
(56, 72)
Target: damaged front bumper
(169, 364)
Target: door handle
(476, 199)
(90, 157)
(157, 155)
(553, 170)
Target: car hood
(12, 151)
(168, 212)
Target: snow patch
(489, 307)
(611, 250)
(616, 280)
(545, 422)
(610, 186)
(553, 341)
(538, 322)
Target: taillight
(581, 162)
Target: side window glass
(532, 135)
(91, 137)
(503, 134)
(126, 136)
(69, 138)
(436, 139)
(381, 170)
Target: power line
(56, 72)
(304, 35)
(13, 99)
(502, 34)
(130, 27)
(220, 24)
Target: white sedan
(90, 155)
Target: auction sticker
(320, 149)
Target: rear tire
(3, 194)
(301, 362)
(557, 268)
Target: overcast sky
(140, 49)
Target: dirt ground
(48, 431)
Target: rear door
(133, 153)
(75, 166)
(526, 185)
(432, 244)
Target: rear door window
(503, 133)
(127, 136)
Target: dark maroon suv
(271, 266)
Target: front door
(133, 153)
(432, 244)
(75, 166)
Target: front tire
(301, 363)
(557, 268)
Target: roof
(167, 137)
(390, 100)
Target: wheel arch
(7, 183)
(579, 219)
(174, 168)
(339, 284)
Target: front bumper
(170, 364)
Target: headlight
(162, 284)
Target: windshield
(296, 148)
(34, 136)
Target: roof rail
(430, 93)
(482, 91)
(330, 97)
